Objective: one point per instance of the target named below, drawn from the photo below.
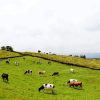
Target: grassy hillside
(76, 61)
(6, 54)
(25, 87)
(69, 60)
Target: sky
(57, 26)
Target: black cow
(55, 73)
(49, 62)
(7, 61)
(5, 77)
(39, 62)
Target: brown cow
(75, 84)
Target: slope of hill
(7, 54)
(69, 60)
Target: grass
(25, 87)
(70, 60)
(6, 54)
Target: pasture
(25, 87)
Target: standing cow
(5, 77)
(42, 72)
(28, 72)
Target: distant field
(25, 87)
(69, 60)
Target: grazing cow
(42, 72)
(16, 63)
(55, 73)
(72, 70)
(75, 84)
(24, 58)
(7, 62)
(28, 72)
(72, 80)
(39, 62)
(49, 62)
(4, 76)
(47, 87)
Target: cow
(39, 62)
(47, 87)
(5, 77)
(55, 73)
(7, 62)
(75, 84)
(41, 72)
(16, 63)
(49, 62)
(72, 70)
(28, 72)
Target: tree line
(7, 48)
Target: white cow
(42, 72)
(72, 70)
(16, 63)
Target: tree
(3, 48)
(39, 51)
(9, 48)
(83, 56)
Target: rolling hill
(25, 87)
(69, 60)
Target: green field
(25, 87)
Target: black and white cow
(16, 63)
(28, 72)
(47, 87)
